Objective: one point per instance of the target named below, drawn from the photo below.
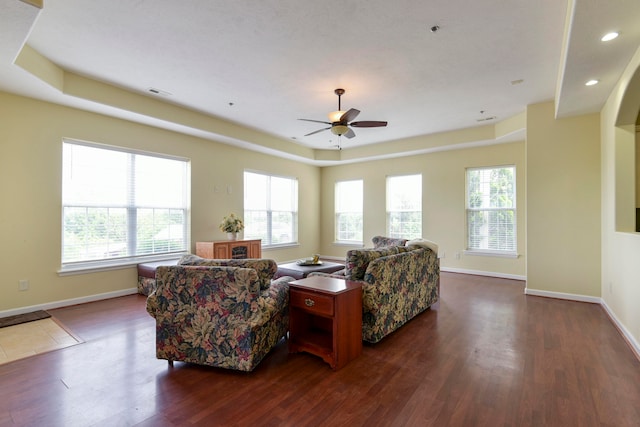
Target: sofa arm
(152, 304)
(272, 302)
(282, 279)
(340, 274)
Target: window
(348, 207)
(491, 210)
(118, 205)
(270, 208)
(404, 206)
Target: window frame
(109, 263)
(505, 253)
(338, 213)
(389, 212)
(270, 212)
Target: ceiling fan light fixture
(339, 129)
(335, 116)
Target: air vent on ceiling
(160, 92)
(486, 119)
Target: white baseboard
(561, 295)
(68, 302)
(483, 273)
(635, 346)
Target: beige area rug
(31, 338)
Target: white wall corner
(562, 295)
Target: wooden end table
(325, 319)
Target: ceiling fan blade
(317, 131)
(368, 124)
(349, 134)
(315, 121)
(349, 115)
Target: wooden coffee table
(325, 319)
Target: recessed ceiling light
(609, 36)
(591, 82)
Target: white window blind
(270, 208)
(491, 209)
(348, 211)
(120, 205)
(404, 206)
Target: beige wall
(31, 134)
(620, 246)
(563, 202)
(443, 202)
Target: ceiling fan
(342, 120)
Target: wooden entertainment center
(230, 249)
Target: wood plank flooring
(486, 355)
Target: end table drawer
(312, 302)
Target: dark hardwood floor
(486, 355)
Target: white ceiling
(265, 64)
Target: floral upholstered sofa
(223, 313)
(400, 279)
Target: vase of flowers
(231, 225)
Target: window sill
(281, 246)
(119, 264)
(348, 243)
(499, 254)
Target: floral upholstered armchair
(209, 313)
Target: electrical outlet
(443, 254)
(23, 285)
(457, 255)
